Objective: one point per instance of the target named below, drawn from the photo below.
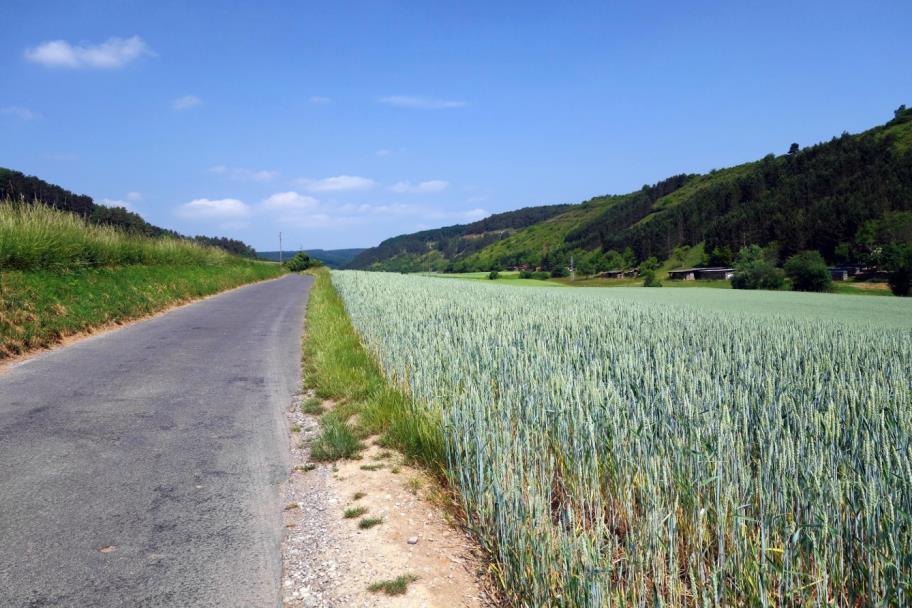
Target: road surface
(142, 467)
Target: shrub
(525, 274)
(560, 271)
(752, 271)
(899, 263)
(493, 275)
(808, 272)
(648, 270)
(301, 261)
(541, 275)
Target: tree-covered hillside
(821, 197)
(16, 186)
(433, 248)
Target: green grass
(337, 367)
(369, 522)
(312, 406)
(353, 512)
(40, 308)
(36, 237)
(336, 440)
(396, 586)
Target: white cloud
(19, 112)
(421, 103)
(319, 99)
(244, 175)
(475, 214)
(186, 102)
(339, 183)
(432, 185)
(134, 196)
(204, 208)
(113, 53)
(289, 201)
(383, 152)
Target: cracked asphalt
(143, 467)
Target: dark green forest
(17, 186)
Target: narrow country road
(142, 467)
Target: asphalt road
(142, 467)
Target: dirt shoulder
(330, 560)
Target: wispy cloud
(113, 53)
(289, 201)
(319, 99)
(186, 102)
(110, 202)
(134, 196)
(383, 152)
(18, 112)
(421, 103)
(338, 183)
(244, 175)
(433, 185)
(223, 209)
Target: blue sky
(344, 123)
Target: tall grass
(40, 237)
(621, 452)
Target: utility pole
(280, 247)
(572, 270)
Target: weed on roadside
(396, 586)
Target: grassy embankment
(337, 367)
(60, 276)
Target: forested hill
(820, 197)
(17, 186)
(418, 251)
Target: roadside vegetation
(61, 275)
(628, 452)
(337, 367)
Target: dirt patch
(331, 560)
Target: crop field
(640, 448)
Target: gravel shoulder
(329, 561)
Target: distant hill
(433, 248)
(818, 198)
(17, 186)
(334, 258)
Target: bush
(525, 274)
(541, 275)
(752, 271)
(335, 441)
(301, 261)
(493, 275)
(560, 271)
(648, 271)
(808, 272)
(899, 263)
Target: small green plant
(291, 506)
(371, 467)
(336, 441)
(312, 406)
(358, 495)
(493, 275)
(295, 428)
(353, 512)
(395, 470)
(305, 467)
(369, 522)
(383, 455)
(413, 485)
(396, 586)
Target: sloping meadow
(624, 451)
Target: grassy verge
(337, 367)
(38, 308)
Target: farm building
(618, 274)
(701, 274)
